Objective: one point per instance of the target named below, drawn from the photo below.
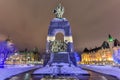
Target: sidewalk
(14, 70)
(109, 70)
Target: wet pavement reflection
(93, 76)
(99, 76)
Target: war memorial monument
(60, 59)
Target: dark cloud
(27, 21)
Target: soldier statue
(59, 11)
(58, 46)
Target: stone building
(99, 55)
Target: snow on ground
(64, 69)
(12, 70)
(109, 70)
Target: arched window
(59, 37)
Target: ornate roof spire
(116, 42)
(110, 38)
(59, 10)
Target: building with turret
(99, 55)
(107, 53)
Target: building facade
(100, 56)
(24, 57)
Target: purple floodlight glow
(77, 56)
(116, 55)
(6, 49)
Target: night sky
(27, 21)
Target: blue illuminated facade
(60, 26)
